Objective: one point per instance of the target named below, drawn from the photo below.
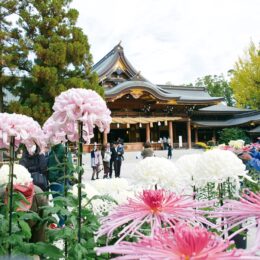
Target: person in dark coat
(119, 158)
(169, 155)
(112, 159)
(36, 164)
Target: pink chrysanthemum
(25, 130)
(182, 243)
(157, 208)
(75, 105)
(236, 212)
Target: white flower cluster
(98, 206)
(21, 175)
(187, 165)
(237, 144)
(117, 188)
(218, 166)
(161, 172)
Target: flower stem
(66, 191)
(10, 189)
(80, 150)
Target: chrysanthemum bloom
(21, 175)
(25, 130)
(237, 144)
(181, 243)
(53, 134)
(161, 172)
(117, 188)
(157, 208)
(187, 166)
(237, 212)
(82, 105)
(218, 166)
(90, 199)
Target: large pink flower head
(25, 130)
(83, 105)
(52, 132)
(236, 212)
(181, 243)
(155, 207)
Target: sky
(173, 41)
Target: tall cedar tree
(246, 79)
(13, 51)
(61, 56)
(217, 86)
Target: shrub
(228, 134)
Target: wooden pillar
(148, 138)
(189, 133)
(170, 132)
(196, 135)
(104, 138)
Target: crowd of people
(110, 158)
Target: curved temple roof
(237, 120)
(106, 65)
(189, 95)
(116, 58)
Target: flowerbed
(190, 209)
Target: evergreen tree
(61, 56)
(13, 51)
(246, 79)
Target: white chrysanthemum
(218, 166)
(21, 175)
(106, 186)
(187, 166)
(98, 206)
(158, 171)
(117, 188)
(237, 144)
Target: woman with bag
(106, 156)
(96, 162)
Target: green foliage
(228, 134)
(89, 226)
(12, 48)
(61, 52)
(217, 86)
(252, 186)
(245, 81)
(22, 232)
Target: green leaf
(47, 250)
(25, 228)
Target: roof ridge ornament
(119, 46)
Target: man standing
(112, 159)
(118, 160)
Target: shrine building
(143, 111)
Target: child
(169, 151)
